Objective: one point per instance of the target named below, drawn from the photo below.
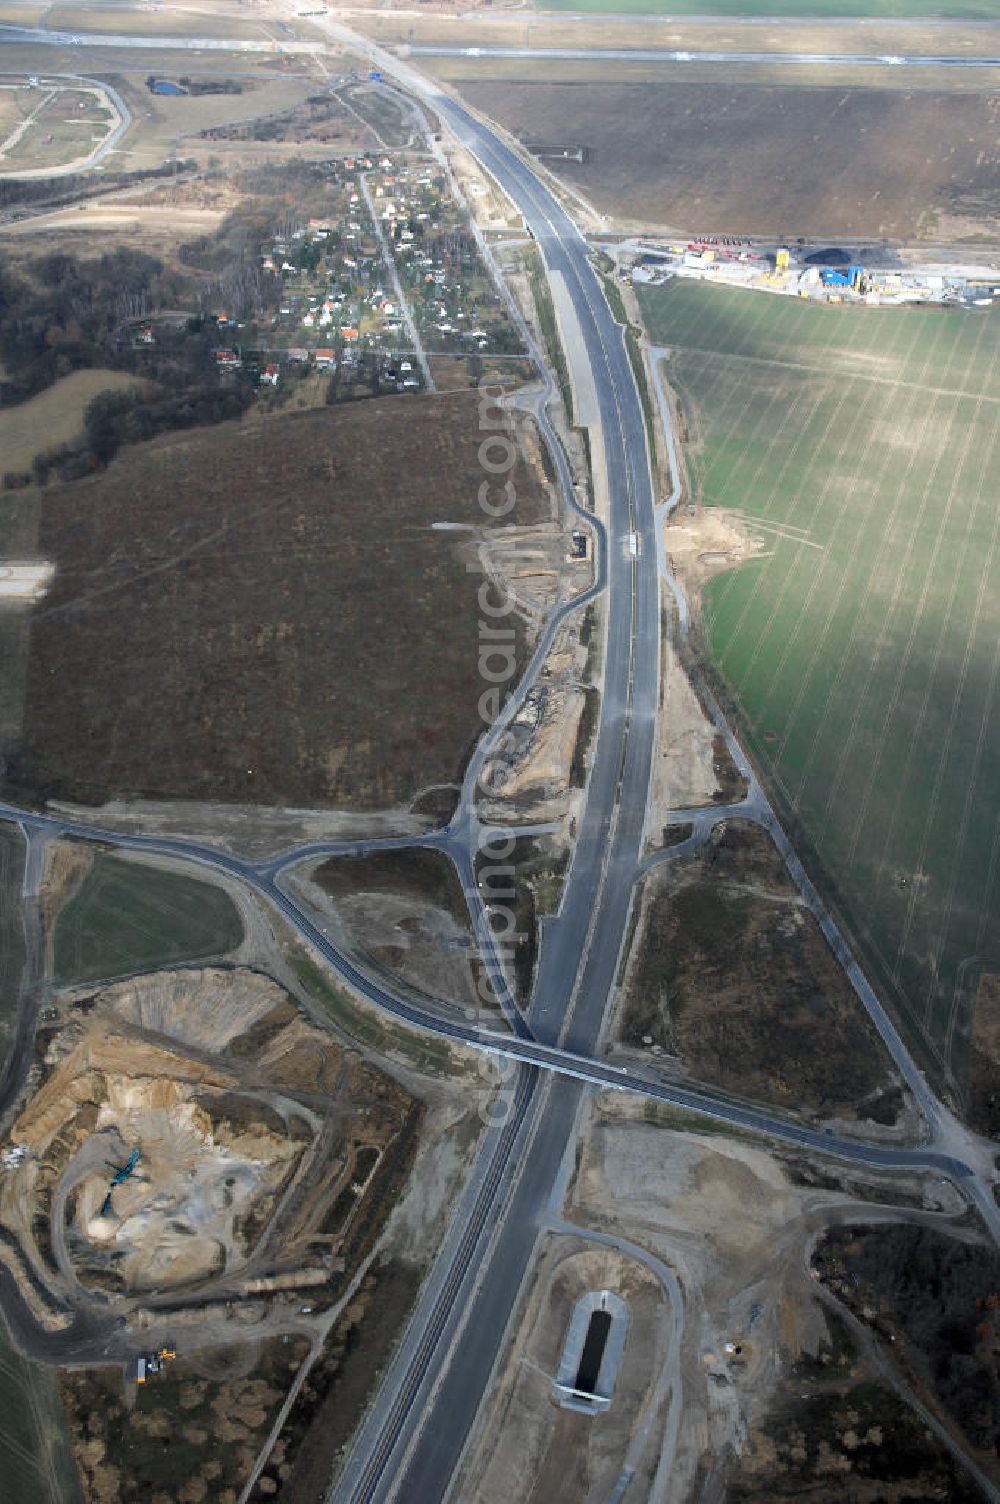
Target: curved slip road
(592, 921)
(555, 1059)
(89, 162)
(585, 939)
(670, 1373)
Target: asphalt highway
(737, 23)
(414, 1454)
(607, 847)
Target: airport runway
(38, 35)
(671, 55)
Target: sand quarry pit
(200, 1071)
(182, 1214)
(212, 1160)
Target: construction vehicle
(854, 276)
(122, 1173)
(151, 1363)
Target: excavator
(122, 1173)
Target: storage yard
(879, 278)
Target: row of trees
(198, 85)
(54, 191)
(944, 1294)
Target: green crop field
(35, 1458)
(862, 644)
(800, 10)
(11, 937)
(126, 917)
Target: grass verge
(550, 334)
(361, 1024)
(126, 917)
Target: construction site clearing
(828, 275)
(402, 914)
(540, 773)
(733, 1223)
(704, 1239)
(191, 1153)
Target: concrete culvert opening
(592, 1352)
